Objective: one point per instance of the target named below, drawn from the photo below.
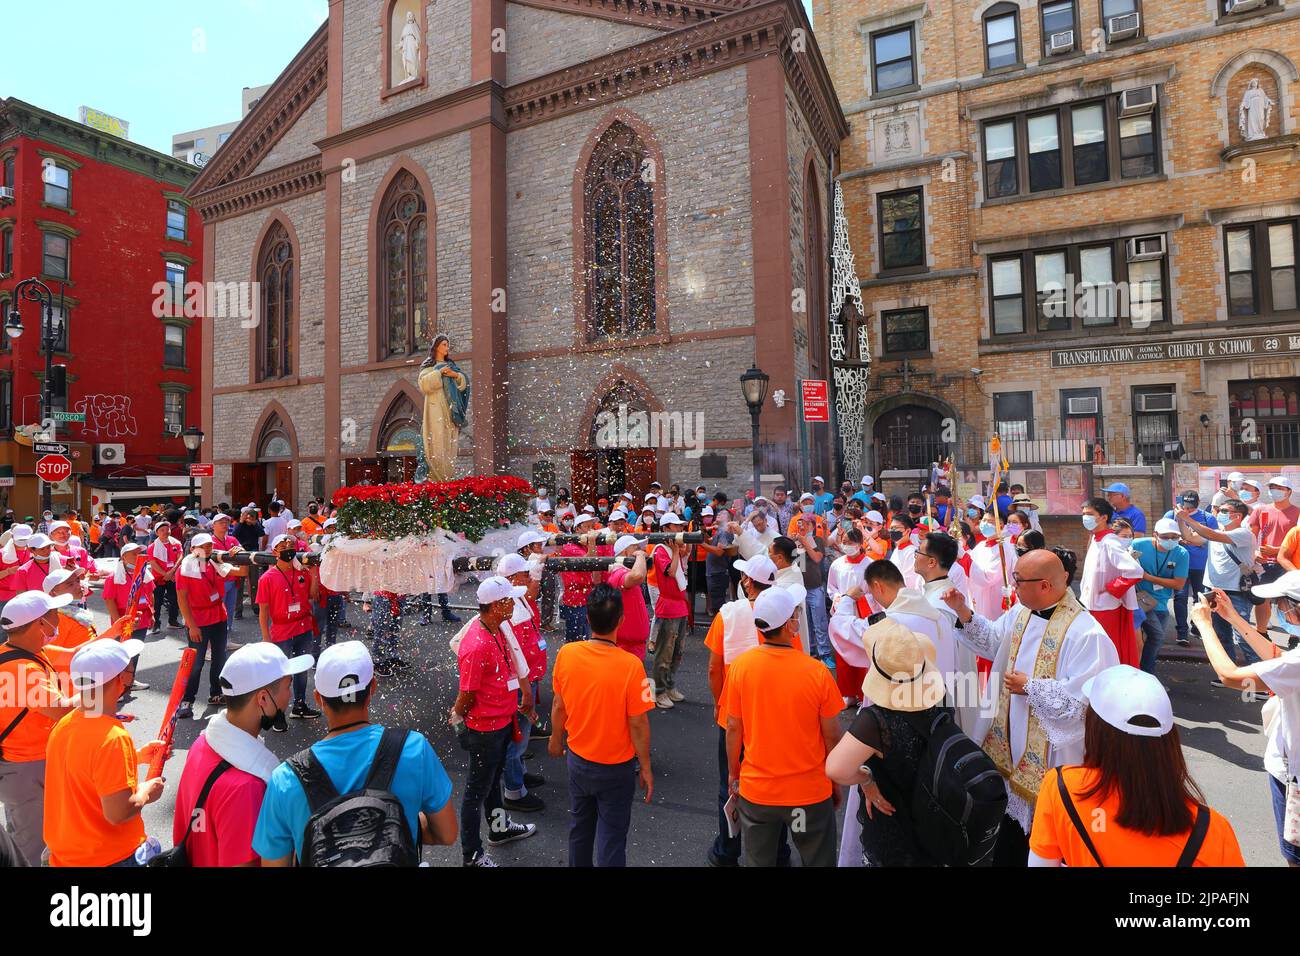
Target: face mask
(914, 509)
(1124, 539)
(1021, 552)
(808, 509)
(1290, 628)
(268, 722)
(852, 550)
(1247, 496)
(1278, 494)
(972, 512)
(1090, 522)
(895, 535)
(1225, 517)
(1164, 545)
(988, 529)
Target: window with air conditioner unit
(1059, 25)
(1062, 42)
(1141, 99)
(1141, 248)
(1242, 6)
(1124, 26)
(1157, 402)
(1081, 405)
(6, 194)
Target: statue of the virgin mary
(446, 410)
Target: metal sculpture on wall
(850, 348)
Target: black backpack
(366, 827)
(959, 798)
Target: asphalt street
(1220, 731)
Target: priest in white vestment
(1031, 713)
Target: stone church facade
(603, 203)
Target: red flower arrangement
(470, 506)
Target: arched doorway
(397, 447)
(908, 436)
(618, 457)
(275, 459)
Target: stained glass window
(276, 269)
(404, 293)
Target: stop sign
(54, 468)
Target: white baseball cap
(819, 478)
(868, 480)
(280, 537)
(582, 519)
(130, 546)
(530, 538)
(1287, 586)
(874, 516)
(294, 524)
(259, 665)
(497, 588)
(55, 526)
(647, 507)
(219, 516)
(1121, 694)
(627, 541)
(618, 514)
(97, 663)
(199, 540)
(21, 532)
(1253, 482)
(163, 525)
(1236, 476)
(329, 522)
(978, 501)
(773, 608)
(707, 510)
(759, 568)
(38, 540)
(589, 509)
(55, 578)
(1283, 481)
(511, 564)
(1167, 526)
(28, 606)
(807, 496)
(670, 518)
(343, 669)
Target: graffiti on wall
(107, 416)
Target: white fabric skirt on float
(412, 565)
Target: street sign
(201, 470)
(54, 468)
(49, 448)
(816, 401)
(68, 416)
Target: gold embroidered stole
(1027, 776)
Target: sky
(164, 66)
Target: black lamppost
(34, 290)
(754, 386)
(193, 438)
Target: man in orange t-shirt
(28, 716)
(93, 795)
(601, 699)
(782, 708)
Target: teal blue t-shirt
(420, 783)
(1163, 564)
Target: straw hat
(902, 675)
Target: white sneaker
(664, 701)
(676, 696)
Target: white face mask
(988, 529)
(1279, 494)
(1090, 522)
(1128, 540)
(1247, 496)
(852, 550)
(1166, 545)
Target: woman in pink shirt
(13, 555)
(117, 589)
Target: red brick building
(101, 221)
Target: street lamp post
(34, 290)
(193, 438)
(753, 384)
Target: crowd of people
(944, 634)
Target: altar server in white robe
(903, 553)
(846, 571)
(1031, 714)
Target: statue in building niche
(446, 410)
(1254, 113)
(408, 48)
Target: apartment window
(1088, 131)
(1077, 145)
(60, 318)
(1013, 415)
(177, 219)
(1058, 26)
(1272, 406)
(1044, 152)
(1261, 267)
(902, 242)
(200, 143)
(1155, 420)
(893, 61)
(173, 412)
(1146, 291)
(222, 137)
(174, 346)
(1227, 6)
(1110, 9)
(1008, 295)
(55, 250)
(1081, 413)
(1051, 285)
(7, 176)
(1098, 303)
(58, 184)
(6, 251)
(1002, 36)
(905, 332)
(6, 404)
(175, 283)
(1000, 159)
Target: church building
(613, 208)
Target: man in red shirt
(200, 590)
(257, 686)
(634, 628)
(516, 783)
(164, 560)
(286, 594)
(1270, 522)
(488, 705)
(577, 584)
(669, 629)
